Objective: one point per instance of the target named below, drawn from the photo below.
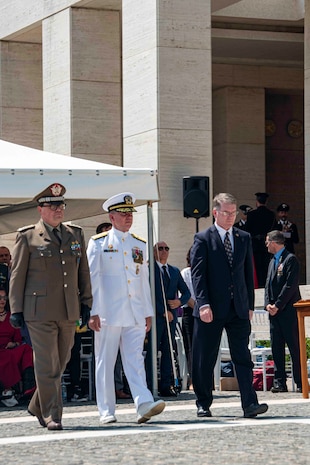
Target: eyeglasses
(54, 208)
(161, 248)
(227, 214)
(3, 297)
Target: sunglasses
(3, 297)
(161, 248)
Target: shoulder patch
(138, 237)
(98, 236)
(25, 228)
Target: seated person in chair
(16, 359)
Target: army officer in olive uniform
(122, 309)
(49, 289)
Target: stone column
(21, 93)
(307, 135)
(82, 84)
(167, 104)
(239, 141)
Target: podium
(303, 310)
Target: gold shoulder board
(98, 236)
(138, 237)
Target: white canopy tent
(24, 172)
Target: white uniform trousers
(130, 341)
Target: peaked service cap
(52, 194)
(123, 202)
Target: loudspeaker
(196, 196)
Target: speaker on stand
(196, 201)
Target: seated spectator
(16, 359)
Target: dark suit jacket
(282, 284)
(259, 222)
(214, 280)
(176, 284)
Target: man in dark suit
(222, 275)
(259, 222)
(281, 292)
(49, 289)
(168, 285)
(288, 228)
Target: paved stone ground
(175, 437)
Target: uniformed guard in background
(50, 289)
(244, 210)
(122, 309)
(288, 228)
(259, 223)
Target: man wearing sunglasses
(49, 290)
(122, 309)
(169, 284)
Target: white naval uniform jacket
(120, 278)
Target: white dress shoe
(107, 419)
(149, 409)
(9, 400)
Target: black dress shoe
(255, 409)
(299, 389)
(203, 412)
(120, 394)
(276, 389)
(168, 392)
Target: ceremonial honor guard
(289, 229)
(244, 210)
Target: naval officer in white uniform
(122, 309)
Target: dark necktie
(166, 277)
(57, 235)
(228, 248)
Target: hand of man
(174, 303)
(272, 309)
(206, 314)
(169, 316)
(85, 315)
(17, 320)
(94, 323)
(148, 323)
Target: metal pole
(150, 242)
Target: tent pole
(150, 242)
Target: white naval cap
(123, 202)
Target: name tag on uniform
(110, 249)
